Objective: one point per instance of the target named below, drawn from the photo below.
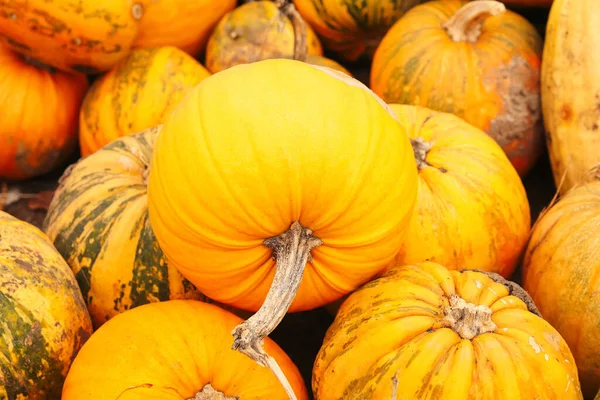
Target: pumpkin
(182, 23)
(473, 59)
(571, 90)
(84, 36)
(352, 29)
(191, 360)
(288, 204)
(254, 31)
(561, 269)
(137, 94)
(39, 107)
(472, 210)
(427, 332)
(326, 62)
(44, 321)
(98, 221)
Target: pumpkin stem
(291, 250)
(210, 393)
(420, 150)
(467, 319)
(466, 24)
(299, 25)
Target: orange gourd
(179, 349)
(424, 332)
(473, 59)
(39, 107)
(561, 269)
(289, 202)
(137, 94)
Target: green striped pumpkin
(98, 221)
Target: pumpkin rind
(184, 24)
(571, 90)
(98, 221)
(472, 210)
(397, 328)
(43, 319)
(30, 96)
(155, 364)
(493, 83)
(137, 94)
(76, 36)
(352, 28)
(254, 31)
(561, 271)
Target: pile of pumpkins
(232, 173)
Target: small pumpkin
(561, 269)
(424, 331)
(473, 59)
(85, 36)
(98, 221)
(39, 107)
(350, 28)
(571, 90)
(181, 23)
(288, 204)
(257, 30)
(44, 321)
(137, 94)
(193, 359)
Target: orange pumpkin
(39, 107)
(473, 59)
(291, 201)
(185, 24)
(425, 332)
(255, 31)
(133, 357)
(137, 94)
(561, 269)
(353, 29)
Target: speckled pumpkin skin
(98, 221)
(494, 83)
(43, 318)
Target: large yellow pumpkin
(43, 319)
(39, 108)
(423, 332)
(313, 178)
(473, 59)
(179, 349)
(472, 210)
(137, 94)
(561, 271)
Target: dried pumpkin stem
(467, 319)
(210, 393)
(420, 149)
(291, 251)
(467, 23)
(299, 25)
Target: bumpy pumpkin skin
(137, 94)
(472, 210)
(39, 107)
(182, 23)
(254, 31)
(352, 28)
(98, 221)
(493, 83)
(177, 363)
(277, 164)
(84, 36)
(396, 326)
(43, 319)
(560, 271)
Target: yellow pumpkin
(137, 94)
(424, 332)
(473, 59)
(290, 201)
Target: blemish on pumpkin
(536, 347)
(137, 11)
(566, 113)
